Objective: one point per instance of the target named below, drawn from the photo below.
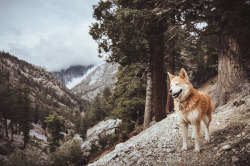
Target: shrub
(93, 148)
(18, 158)
(103, 141)
(112, 138)
(70, 153)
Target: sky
(49, 33)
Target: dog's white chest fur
(193, 116)
(190, 117)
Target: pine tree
(83, 129)
(25, 112)
(129, 94)
(55, 126)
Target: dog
(192, 107)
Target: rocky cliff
(94, 83)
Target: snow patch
(78, 80)
(37, 135)
(96, 77)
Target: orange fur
(192, 107)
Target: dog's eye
(177, 84)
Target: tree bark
(157, 49)
(171, 66)
(6, 127)
(11, 129)
(19, 129)
(231, 73)
(149, 94)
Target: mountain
(103, 75)
(66, 75)
(46, 90)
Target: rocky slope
(94, 83)
(66, 75)
(161, 143)
(104, 127)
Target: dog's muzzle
(175, 95)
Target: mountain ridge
(104, 75)
(66, 75)
(46, 88)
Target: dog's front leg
(197, 137)
(184, 129)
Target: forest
(149, 38)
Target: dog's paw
(207, 140)
(197, 150)
(183, 149)
(193, 135)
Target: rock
(141, 161)
(235, 159)
(248, 146)
(218, 154)
(121, 154)
(126, 161)
(111, 156)
(168, 150)
(119, 146)
(242, 149)
(238, 136)
(243, 133)
(149, 153)
(226, 147)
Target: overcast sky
(48, 33)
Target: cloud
(51, 34)
(63, 49)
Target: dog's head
(179, 85)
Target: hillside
(46, 90)
(161, 143)
(94, 83)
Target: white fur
(193, 116)
(175, 88)
(185, 90)
(206, 123)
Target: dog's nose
(170, 91)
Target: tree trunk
(6, 128)
(231, 73)
(171, 66)
(11, 129)
(19, 129)
(157, 49)
(149, 94)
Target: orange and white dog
(192, 107)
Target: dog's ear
(170, 76)
(183, 74)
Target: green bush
(112, 138)
(18, 158)
(93, 148)
(70, 153)
(103, 141)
